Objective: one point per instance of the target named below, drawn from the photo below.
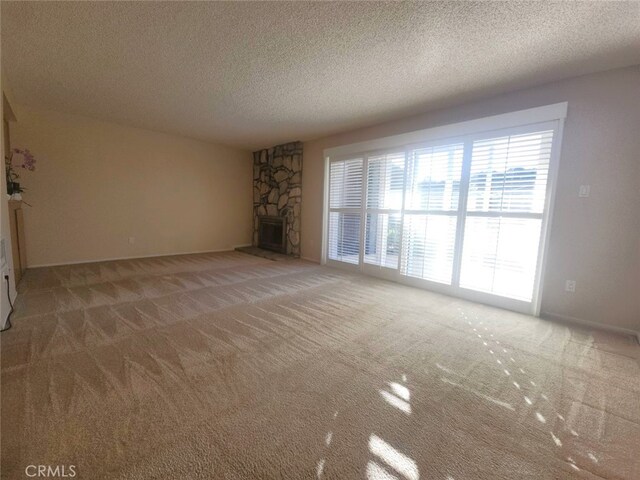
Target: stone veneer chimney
(277, 189)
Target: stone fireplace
(277, 197)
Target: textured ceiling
(257, 74)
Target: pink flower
(28, 160)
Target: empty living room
(320, 240)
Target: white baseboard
(590, 324)
(134, 257)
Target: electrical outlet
(584, 191)
(132, 240)
(570, 286)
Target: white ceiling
(258, 74)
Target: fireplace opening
(272, 233)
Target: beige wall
(595, 241)
(97, 184)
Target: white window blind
(385, 181)
(344, 237)
(509, 173)
(346, 184)
(507, 192)
(431, 212)
(385, 190)
(345, 202)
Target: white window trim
(556, 111)
(478, 127)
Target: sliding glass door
(463, 216)
(504, 210)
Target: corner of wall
(7, 267)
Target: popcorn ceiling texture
(260, 74)
(277, 190)
(231, 366)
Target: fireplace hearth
(272, 233)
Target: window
(429, 229)
(466, 215)
(345, 201)
(385, 189)
(507, 190)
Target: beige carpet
(233, 366)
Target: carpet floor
(232, 366)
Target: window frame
(379, 270)
(550, 117)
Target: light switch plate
(584, 191)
